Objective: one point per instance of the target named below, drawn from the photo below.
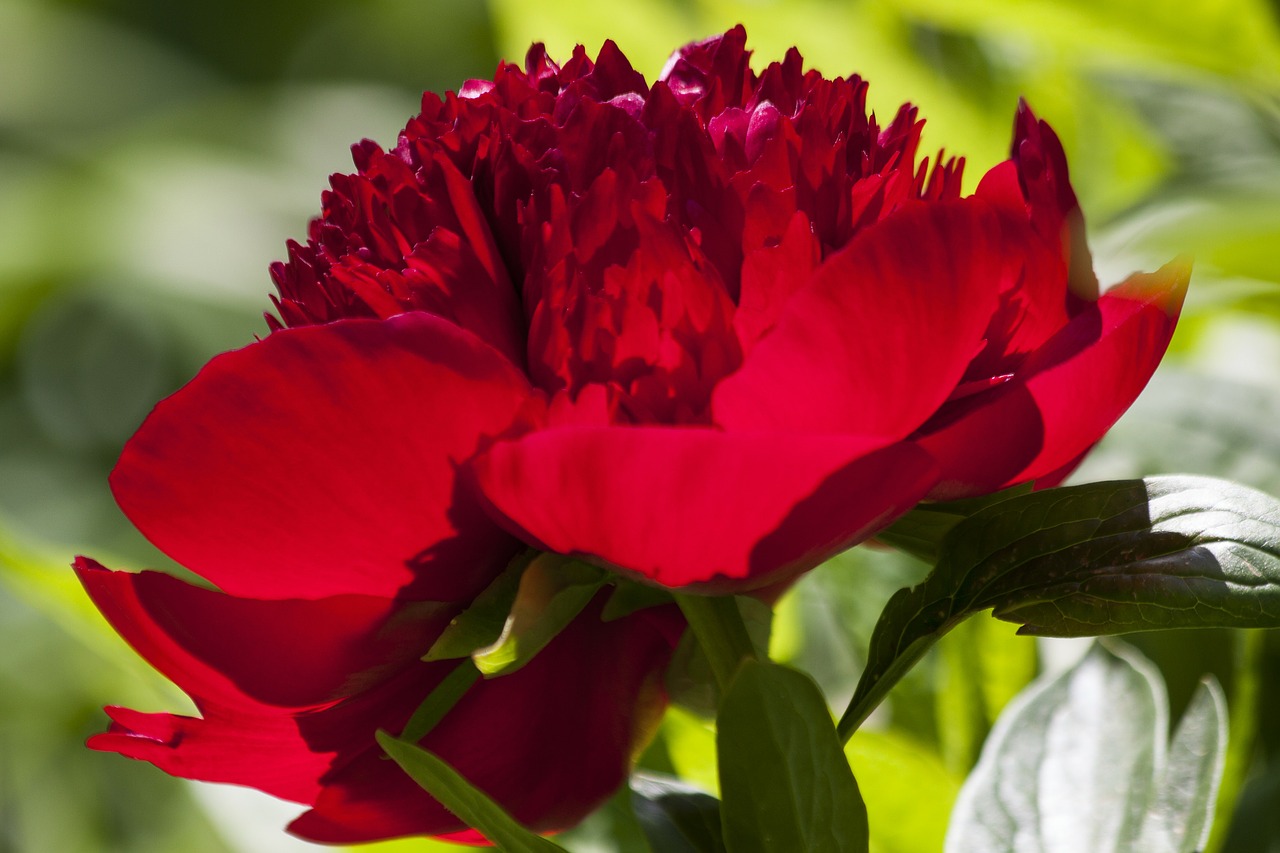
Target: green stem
(717, 623)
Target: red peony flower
(707, 332)
(762, 328)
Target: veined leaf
(1102, 558)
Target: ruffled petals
(1067, 394)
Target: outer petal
(321, 461)
(698, 506)
(227, 652)
(263, 751)
(273, 680)
(882, 333)
(550, 742)
(1067, 394)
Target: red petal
(321, 461)
(262, 751)
(285, 688)
(1067, 394)
(236, 652)
(549, 743)
(698, 506)
(882, 333)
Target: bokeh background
(154, 157)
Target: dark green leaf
(676, 817)
(472, 806)
(921, 532)
(784, 781)
(1078, 762)
(1103, 558)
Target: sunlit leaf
(1079, 762)
(481, 623)
(552, 592)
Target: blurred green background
(155, 156)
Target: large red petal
(322, 461)
(1067, 393)
(549, 742)
(699, 506)
(231, 652)
(882, 333)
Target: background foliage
(155, 156)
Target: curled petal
(264, 751)
(680, 507)
(322, 459)
(1067, 394)
(284, 653)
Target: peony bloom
(706, 332)
(762, 329)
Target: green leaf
(784, 782)
(1185, 795)
(472, 806)
(676, 817)
(1102, 558)
(519, 613)
(921, 532)
(1079, 762)
(552, 591)
(481, 624)
(440, 701)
